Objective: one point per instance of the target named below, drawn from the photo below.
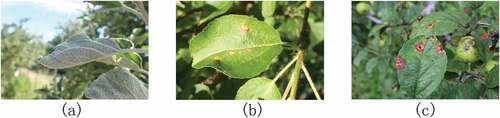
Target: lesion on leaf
(429, 26)
(244, 28)
(420, 47)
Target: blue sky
(44, 15)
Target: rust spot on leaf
(231, 53)
(439, 48)
(216, 58)
(467, 10)
(400, 63)
(429, 26)
(433, 38)
(485, 35)
(244, 28)
(419, 46)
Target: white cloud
(63, 6)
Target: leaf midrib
(234, 49)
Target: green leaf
(371, 64)
(420, 72)
(118, 83)
(268, 8)
(216, 8)
(317, 33)
(467, 90)
(491, 93)
(258, 88)
(492, 78)
(360, 56)
(236, 45)
(438, 23)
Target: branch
(284, 69)
(304, 34)
(135, 12)
(311, 83)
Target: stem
(304, 34)
(142, 10)
(287, 90)
(284, 69)
(290, 83)
(138, 50)
(296, 75)
(311, 83)
(135, 12)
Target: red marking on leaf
(429, 26)
(467, 10)
(419, 46)
(244, 28)
(485, 35)
(400, 63)
(439, 48)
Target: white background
(162, 101)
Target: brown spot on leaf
(439, 48)
(467, 10)
(216, 58)
(419, 46)
(433, 38)
(244, 28)
(485, 35)
(429, 26)
(400, 63)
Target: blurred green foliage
(286, 17)
(379, 29)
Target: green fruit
(362, 8)
(490, 64)
(466, 51)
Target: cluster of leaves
(101, 55)
(244, 43)
(442, 50)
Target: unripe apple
(465, 50)
(362, 8)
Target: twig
(374, 19)
(311, 83)
(296, 75)
(135, 12)
(304, 34)
(140, 7)
(284, 69)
